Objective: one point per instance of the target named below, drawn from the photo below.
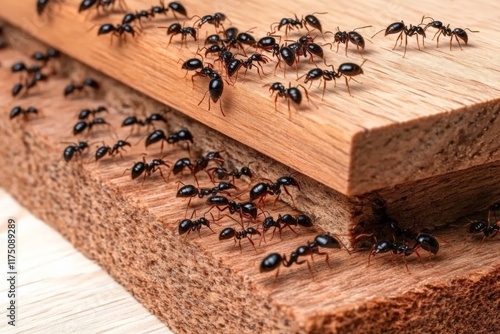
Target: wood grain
(59, 289)
(433, 112)
(198, 284)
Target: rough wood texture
(62, 291)
(132, 232)
(436, 111)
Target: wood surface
(433, 112)
(199, 284)
(62, 291)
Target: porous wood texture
(200, 285)
(433, 112)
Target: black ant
(198, 165)
(88, 82)
(80, 126)
(190, 191)
(459, 33)
(223, 174)
(142, 167)
(176, 7)
(287, 220)
(188, 225)
(235, 64)
(71, 150)
(290, 94)
(422, 240)
(347, 70)
(401, 28)
(45, 57)
(216, 20)
(119, 30)
(148, 121)
(242, 38)
(489, 230)
(85, 113)
(274, 260)
(137, 16)
(112, 151)
(230, 232)
(313, 21)
(267, 43)
(159, 135)
(261, 190)
(288, 23)
(18, 110)
(305, 45)
(215, 86)
(346, 37)
(245, 209)
(176, 29)
(28, 84)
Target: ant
(422, 240)
(70, 150)
(45, 57)
(273, 260)
(243, 38)
(245, 209)
(85, 113)
(198, 165)
(488, 229)
(88, 82)
(346, 37)
(346, 70)
(29, 84)
(459, 33)
(235, 64)
(290, 94)
(176, 29)
(137, 16)
(216, 20)
(18, 110)
(230, 232)
(191, 191)
(112, 151)
(287, 220)
(133, 120)
(159, 135)
(223, 174)
(142, 167)
(313, 21)
(215, 86)
(261, 190)
(119, 30)
(188, 225)
(401, 28)
(288, 23)
(80, 126)
(176, 7)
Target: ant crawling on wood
(287, 220)
(80, 126)
(148, 121)
(216, 20)
(345, 37)
(313, 21)
(88, 82)
(190, 191)
(274, 260)
(230, 232)
(159, 135)
(401, 28)
(73, 149)
(188, 225)
(174, 6)
(222, 173)
(18, 110)
(458, 33)
(488, 229)
(112, 151)
(245, 209)
(85, 113)
(177, 29)
(146, 169)
(288, 23)
(261, 190)
(119, 30)
(290, 94)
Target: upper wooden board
(432, 112)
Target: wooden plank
(61, 290)
(433, 112)
(199, 284)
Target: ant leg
(458, 41)
(406, 44)
(249, 239)
(346, 44)
(397, 39)
(159, 169)
(347, 83)
(187, 207)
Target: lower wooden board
(61, 291)
(198, 284)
